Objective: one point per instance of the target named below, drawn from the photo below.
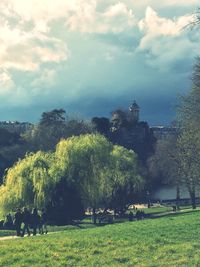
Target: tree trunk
(193, 199)
(177, 197)
(94, 215)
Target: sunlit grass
(169, 241)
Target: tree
(189, 160)
(98, 168)
(54, 126)
(125, 178)
(31, 183)
(189, 140)
(49, 131)
(86, 169)
(65, 204)
(28, 182)
(102, 125)
(8, 139)
(164, 166)
(11, 148)
(119, 118)
(56, 117)
(83, 160)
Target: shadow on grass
(172, 214)
(87, 223)
(156, 215)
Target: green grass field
(169, 241)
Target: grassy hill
(168, 241)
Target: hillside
(168, 241)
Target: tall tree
(189, 160)
(164, 166)
(189, 140)
(98, 168)
(54, 126)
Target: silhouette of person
(43, 222)
(26, 221)
(8, 224)
(35, 220)
(130, 216)
(18, 221)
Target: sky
(91, 57)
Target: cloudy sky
(92, 56)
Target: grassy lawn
(169, 241)
(51, 229)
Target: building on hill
(125, 128)
(15, 126)
(164, 132)
(134, 112)
(128, 131)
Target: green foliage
(88, 163)
(28, 182)
(124, 178)
(164, 166)
(54, 126)
(97, 167)
(52, 118)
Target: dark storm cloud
(100, 56)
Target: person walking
(18, 221)
(130, 216)
(8, 224)
(35, 220)
(26, 221)
(43, 222)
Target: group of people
(24, 220)
(139, 215)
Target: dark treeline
(122, 171)
(54, 125)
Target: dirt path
(8, 237)
(11, 237)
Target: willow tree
(83, 161)
(97, 168)
(124, 178)
(28, 182)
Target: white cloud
(37, 10)
(116, 18)
(6, 83)
(80, 15)
(165, 41)
(26, 40)
(26, 51)
(165, 3)
(155, 25)
(181, 2)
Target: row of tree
(177, 160)
(96, 172)
(53, 126)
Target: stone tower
(135, 111)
